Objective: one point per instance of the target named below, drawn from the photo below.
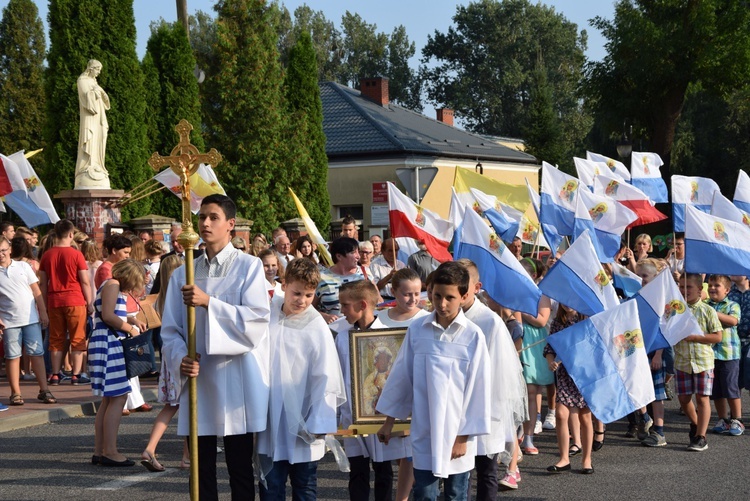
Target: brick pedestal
(91, 210)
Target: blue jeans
(427, 486)
(303, 477)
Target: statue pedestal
(91, 209)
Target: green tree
(655, 51)
(22, 49)
(542, 132)
(245, 85)
(303, 99)
(483, 66)
(88, 29)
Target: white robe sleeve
(327, 391)
(174, 339)
(475, 418)
(238, 318)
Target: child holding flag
(694, 362)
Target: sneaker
(549, 421)
(509, 481)
(3, 407)
(644, 427)
(654, 440)
(80, 379)
(64, 376)
(722, 426)
(698, 444)
(693, 431)
(54, 380)
(736, 428)
(631, 431)
(538, 427)
(28, 377)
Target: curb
(36, 418)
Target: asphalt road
(51, 461)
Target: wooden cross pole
(184, 161)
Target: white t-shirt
(396, 324)
(17, 305)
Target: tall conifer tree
(90, 29)
(22, 49)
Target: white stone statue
(92, 136)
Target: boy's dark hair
(404, 275)
(724, 279)
(147, 232)
(63, 227)
(361, 290)
(348, 219)
(304, 271)
(5, 225)
(679, 235)
(695, 278)
(20, 248)
(343, 246)
(430, 279)
(223, 201)
(452, 273)
(116, 242)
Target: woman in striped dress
(106, 360)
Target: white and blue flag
(606, 358)
(588, 170)
(504, 219)
(578, 280)
(616, 167)
(742, 191)
(608, 218)
(695, 191)
(646, 176)
(558, 199)
(548, 231)
(502, 276)
(665, 317)
(722, 207)
(625, 280)
(715, 245)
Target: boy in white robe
(508, 393)
(306, 388)
(231, 329)
(358, 301)
(441, 378)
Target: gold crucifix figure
(184, 161)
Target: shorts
(726, 379)
(658, 377)
(67, 321)
(699, 383)
(28, 335)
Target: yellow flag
(312, 231)
(516, 196)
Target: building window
(356, 211)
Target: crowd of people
(274, 326)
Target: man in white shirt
(231, 318)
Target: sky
(420, 17)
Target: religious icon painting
(372, 355)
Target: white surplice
(232, 339)
(508, 391)
(368, 446)
(441, 378)
(306, 386)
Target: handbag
(147, 311)
(137, 353)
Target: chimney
(445, 115)
(375, 89)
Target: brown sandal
(46, 397)
(16, 399)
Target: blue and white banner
(715, 245)
(588, 170)
(616, 167)
(695, 191)
(606, 358)
(558, 199)
(584, 224)
(578, 280)
(504, 219)
(548, 231)
(625, 280)
(644, 167)
(32, 204)
(742, 191)
(609, 218)
(665, 317)
(722, 207)
(502, 276)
